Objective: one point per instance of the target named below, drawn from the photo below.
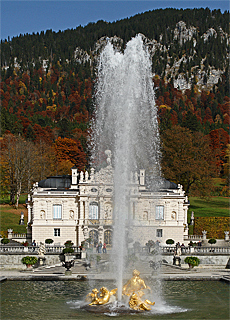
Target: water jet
(125, 126)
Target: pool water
(46, 300)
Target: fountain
(132, 292)
(125, 124)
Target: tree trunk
(12, 194)
(18, 194)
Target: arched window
(93, 234)
(93, 210)
(108, 237)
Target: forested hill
(47, 85)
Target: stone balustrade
(210, 250)
(196, 250)
(17, 249)
(193, 238)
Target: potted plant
(5, 240)
(192, 261)
(29, 261)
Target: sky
(21, 17)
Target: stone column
(100, 234)
(81, 212)
(49, 213)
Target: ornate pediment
(104, 176)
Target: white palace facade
(80, 206)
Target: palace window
(93, 234)
(108, 237)
(159, 233)
(57, 232)
(57, 211)
(159, 213)
(93, 210)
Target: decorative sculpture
(42, 250)
(103, 298)
(136, 303)
(133, 288)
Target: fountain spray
(126, 123)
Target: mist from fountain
(126, 123)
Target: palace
(80, 206)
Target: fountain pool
(47, 300)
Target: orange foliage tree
(69, 152)
(187, 160)
(219, 141)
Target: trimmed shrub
(68, 247)
(68, 243)
(170, 241)
(68, 250)
(49, 241)
(212, 241)
(5, 241)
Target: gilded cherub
(104, 297)
(136, 303)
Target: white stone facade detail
(84, 209)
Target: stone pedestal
(41, 261)
(68, 273)
(176, 261)
(226, 235)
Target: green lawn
(213, 207)
(9, 219)
(6, 200)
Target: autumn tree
(219, 140)
(69, 152)
(187, 160)
(46, 160)
(19, 160)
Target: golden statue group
(133, 289)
